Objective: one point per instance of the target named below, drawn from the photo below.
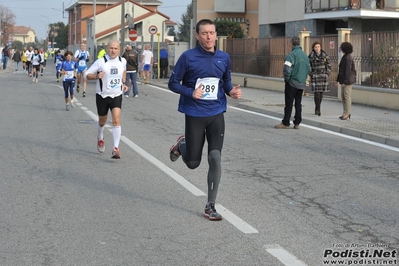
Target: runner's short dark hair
(68, 53)
(203, 22)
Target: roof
(111, 2)
(21, 30)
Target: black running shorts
(108, 103)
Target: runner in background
(41, 52)
(58, 61)
(110, 75)
(68, 69)
(28, 55)
(24, 59)
(35, 60)
(82, 57)
(45, 59)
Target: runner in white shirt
(35, 60)
(147, 60)
(110, 73)
(28, 54)
(82, 57)
(41, 52)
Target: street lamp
(45, 31)
(48, 27)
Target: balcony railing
(334, 5)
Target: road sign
(132, 35)
(153, 29)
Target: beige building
(245, 12)
(23, 34)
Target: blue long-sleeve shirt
(194, 64)
(70, 69)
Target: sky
(37, 14)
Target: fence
(376, 56)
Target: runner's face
(82, 47)
(113, 50)
(207, 37)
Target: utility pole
(122, 26)
(94, 30)
(193, 22)
(1, 29)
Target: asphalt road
(289, 197)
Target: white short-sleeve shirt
(111, 84)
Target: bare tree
(7, 22)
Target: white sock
(116, 133)
(100, 132)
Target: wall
(379, 97)
(175, 50)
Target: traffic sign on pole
(153, 29)
(132, 35)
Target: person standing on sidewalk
(5, 56)
(110, 73)
(320, 71)
(164, 63)
(202, 78)
(296, 69)
(132, 59)
(147, 60)
(16, 57)
(346, 77)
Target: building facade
(97, 29)
(23, 34)
(244, 12)
(288, 17)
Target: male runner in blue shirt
(202, 78)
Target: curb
(343, 130)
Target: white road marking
(175, 176)
(384, 146)
(284, 256)
(227, 215)
(324, 130)
(235, 220)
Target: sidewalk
(367, 122)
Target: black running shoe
(77, 89)
(84, 94)
(211, 213)
(174, 152)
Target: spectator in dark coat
(320, 70)
(5, 56)
(163, 54)
(16, 58)
(346, 77)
